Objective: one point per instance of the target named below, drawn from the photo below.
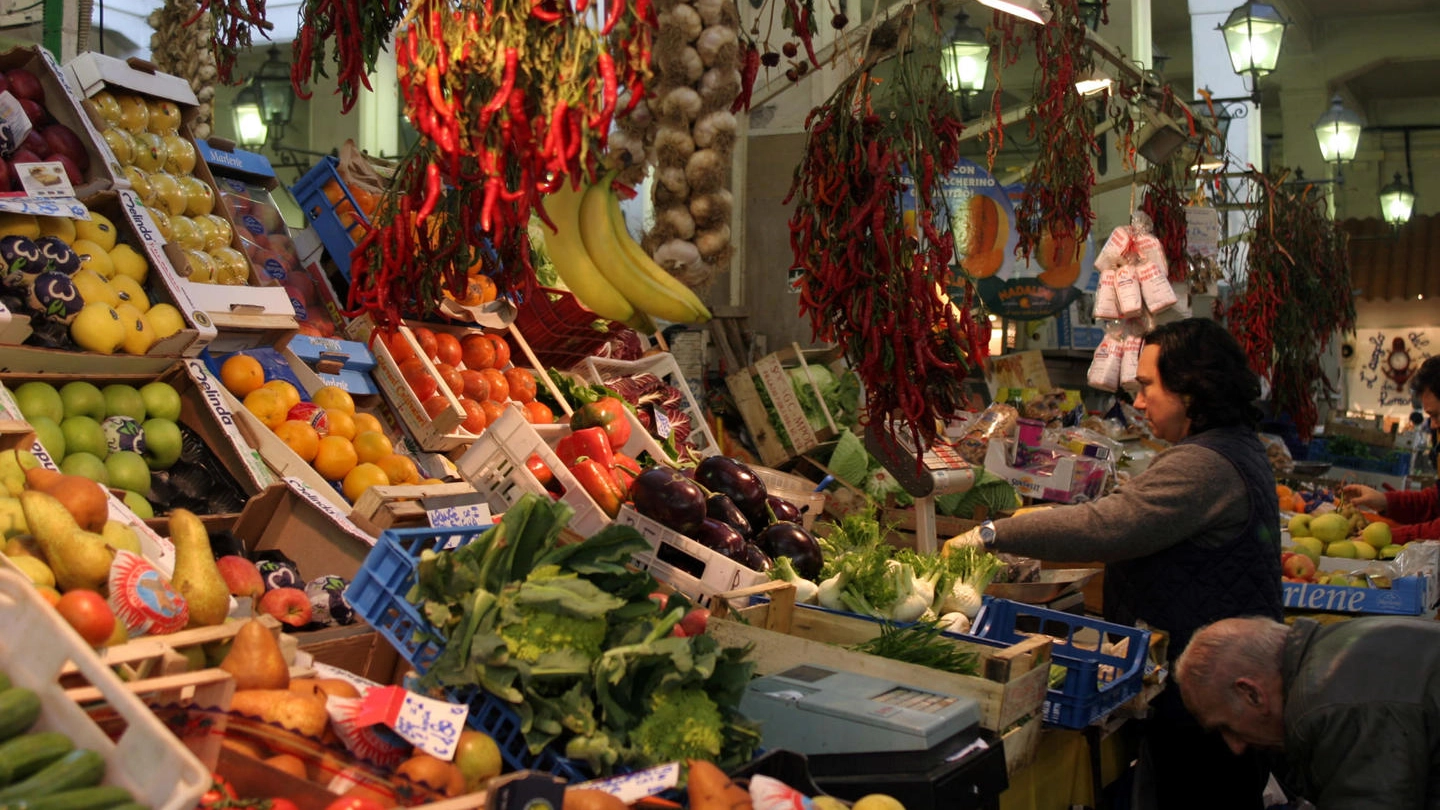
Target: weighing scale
(864, 735)
(942, 472)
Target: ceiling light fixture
(1036, 11)
(965, 57)
(1253, 33)
(1338, 131)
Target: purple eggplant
(785, 539)
(663, 494)
(718, 536)
(753, 558)
(783, 509)
(733, 479)
(723, 509)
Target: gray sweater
(1188, 493)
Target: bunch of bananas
(605, 268)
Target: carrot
(710, 789)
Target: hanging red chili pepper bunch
(1165, 203)
(360, 30)
(512, 99)
(871, 280)
(1292, 296)
(1006, 34)
(1056, 195)
(230, 24)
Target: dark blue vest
(1187, 586)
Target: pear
(196, 576)
(84, 499)
(80, 559)
(255, 660)
(12, 473)
(121, 537)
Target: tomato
(220, 791)
(447, 348)
(400, 348)
(522, 384)
(89, 614)
(502, 351)
(498, 384)
(421, 381)
(477, 352)
(354, 803)
(538, 413)
(426, 338)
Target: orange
(1283, 492)
(365, 421)
(241, 374)
(399, 469)
(341, 424)
(371, 445)
(289, 394)
(301, 437)
(334, 398)
(361, 477)
(335, 457)
(267, 406)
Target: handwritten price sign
(431, 725)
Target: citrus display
(333, 398)
(342, 424)
(241, 374)
(335, 457)
(372, 445)
(289, 394)
(267, 406)
(361, 477)
(365, 422)
(399, 469)
(300, 437)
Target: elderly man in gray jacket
(1355, 706)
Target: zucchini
(24, 755)
(19, 709)
(80, 768)
(90, 798)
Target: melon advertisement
(982, 216)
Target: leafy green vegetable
(850, 461)
(990, 490)
(920, 643)
(570, 638)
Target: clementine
(361, 477)
(335, 457)
(241, 374)
(399, 469)
(300, 437)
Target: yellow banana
(646, 265)
(567, 251)
(603, 243)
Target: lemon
(130, 292)
(61, 227)
(19, 225)
(97, 229)
(94, 289)
(94, 257)
(129, 263)
(166, 319)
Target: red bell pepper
(591, 443)
(607, 413)
(598, 484)
(538, 469)
(625, 469)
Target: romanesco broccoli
(537, 632)
(682, 724)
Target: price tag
(431, 725)
(632, 787)
(44, 179)
(457, 511)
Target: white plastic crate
(685, 565)
(495, 466)
(147, 760)
(663, 365)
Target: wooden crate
(1010, 688)
(793, 436)
(154, 656)
(398, 507)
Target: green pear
(196, 576)
(80, 559)
(12, 518)
(121, 537)
(12, 475)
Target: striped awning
(1387, 264)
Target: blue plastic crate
(1393, 462)
(320, 212)
(1083, 698)
(378, 595)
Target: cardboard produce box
(295, 520)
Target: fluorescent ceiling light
(1036, 11)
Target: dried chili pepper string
(1165, 205)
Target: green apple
(84, 435)
(162, 443)
(1338, 578)
(128, 470)
(1341, 548)
(121, 537)
(1330, 527)
(124, 400)
(139, 505)
(1377, 535)
(51, 437)
(40, 399)
(1363, 550)
(83, 399)
(161, 401)
(1310, 547)
(86, 465)
(1299, 525)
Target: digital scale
(941, 472)
(863, 735)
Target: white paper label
(44, 180)
(475, 514)
(633, 787)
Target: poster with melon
(982, 216)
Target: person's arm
(1187, 492)
(1365, 756)
(1414, 506)
(1365, 497)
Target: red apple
(1298, 566)
(34, 112)
(695, 621)
(241, 577)
(288, 605)
(475, 387)
(36, 143)
(23, 155)
(25, 85)
(63, 141)
(72, 170)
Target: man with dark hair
(1418, 511)
(1193, 539)
(1355, 706)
